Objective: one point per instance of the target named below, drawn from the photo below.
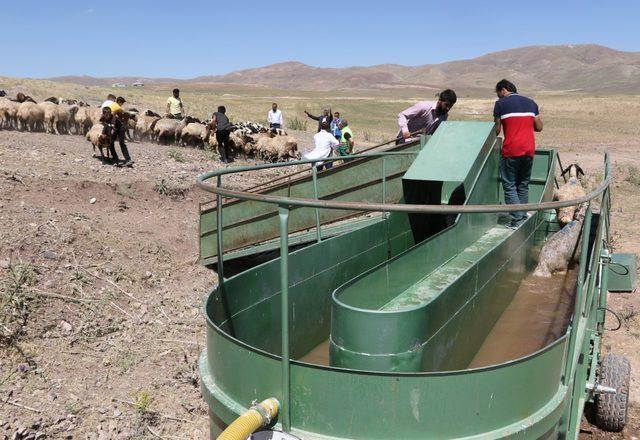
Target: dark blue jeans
(515, 173)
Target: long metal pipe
(394, 207)
(284, 318)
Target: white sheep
(30, 116)
(8, 113)
(275, 148)
(145, 125)
(195, 133)
(57, 116)
(572, 189)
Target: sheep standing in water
(563, 247)
(572, 189)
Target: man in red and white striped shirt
(519, 117)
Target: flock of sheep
(67, 116)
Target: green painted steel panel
(623, 273)
(522, 399)
(452, 152)
(249, 222)
(407, 313)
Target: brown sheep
(99, 140)
(572, 189)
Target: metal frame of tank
(538, 396)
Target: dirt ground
(101, 264)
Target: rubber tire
(611, 409)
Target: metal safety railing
(285, 204)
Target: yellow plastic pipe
(256, 417)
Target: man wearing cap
(425, 116)
(324, 117)
(346, 138)
(175, 109)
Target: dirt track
(113, 321)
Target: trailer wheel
(611, 409)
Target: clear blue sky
(184, 39)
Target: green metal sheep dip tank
(386, 299)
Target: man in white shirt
(324, 143)
(275, 117)
(110, 100)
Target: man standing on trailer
(425, 116)
(518, 116)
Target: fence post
(284, 312)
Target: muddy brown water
(538, 315)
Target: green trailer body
(252, 226)
(358, 286)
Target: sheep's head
(574, 170)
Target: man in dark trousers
(220, 123)
(518, 116)
(123, 118)
(326, 116)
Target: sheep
(275, 148)
(81, 120)
(49, 108)
(99, 140)
(85, 117)
(30, 116)
(195, 134)
(57, 117)
(572, 189)
(144, 126)
(167, 128)
(8, 113)
(562, 248)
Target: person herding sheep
(275, 117)
(123, 117)
(221, 125)
(175, 109)
(112, 125)
(520, 117)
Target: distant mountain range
(574, 68)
